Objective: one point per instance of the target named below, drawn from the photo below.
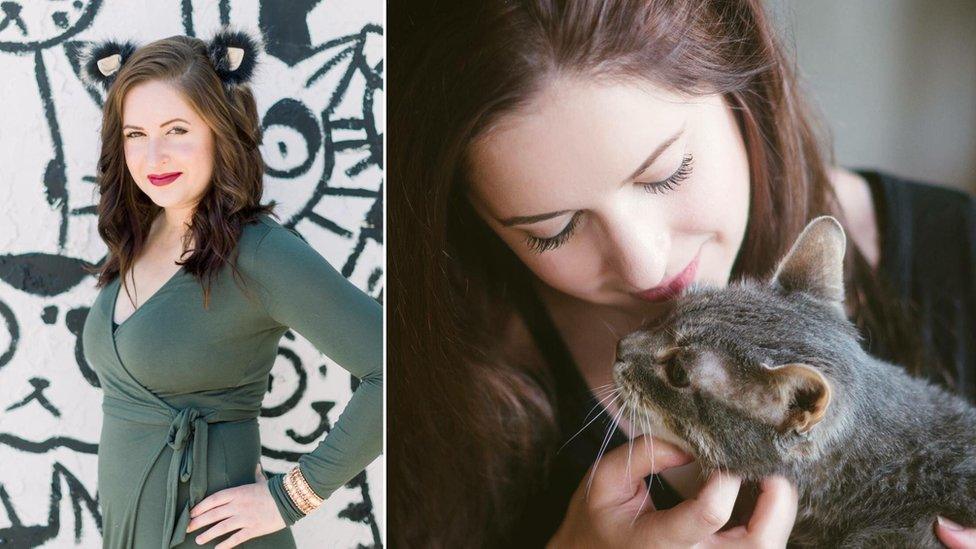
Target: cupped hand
(250, 509)
(617, 511)
(955, 536)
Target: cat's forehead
(750, 303)
(743, 317)
(751, 322)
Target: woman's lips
(673, 287)
(164, 179)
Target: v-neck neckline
(118, 290)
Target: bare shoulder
(857, 203)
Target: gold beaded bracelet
(301, 494)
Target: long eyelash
(540, 245)
(682, 173)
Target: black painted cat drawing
(770, 377)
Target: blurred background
(894, 79)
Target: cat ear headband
(232, 52)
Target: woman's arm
(303, 291)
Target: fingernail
(949, 525)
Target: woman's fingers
(620, 473)
(775, 511)
(693, 520)
(955, 536)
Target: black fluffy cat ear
(815, 263)
(233, 53)
(101, 61)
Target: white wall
(50, 415)
(896, 80)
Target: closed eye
(675, 179)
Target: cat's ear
(803, 393)
(101, 61)
(815, 263)
(233, 53)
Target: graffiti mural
(319, 89)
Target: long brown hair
(470, 429)
(125, 213)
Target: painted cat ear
(101, 61)
(234, 54)
(804, 394)
(815, 262)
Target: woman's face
(608, 190)
(164, 135)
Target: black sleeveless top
(927, 251)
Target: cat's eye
(676, 374)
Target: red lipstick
(674, 286)
(163, 178)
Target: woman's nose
(639, 251)
(156, 154)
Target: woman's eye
(135, 134)
(675, 179)
(541, 244)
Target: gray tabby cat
(770, 378)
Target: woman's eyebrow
(529, 219)
(161, 125)
(653, 156)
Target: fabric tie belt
(187, 436)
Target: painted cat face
(751, 375)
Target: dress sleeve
(300, 289)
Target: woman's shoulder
(921, 213)
(264, 242)
(928, 234)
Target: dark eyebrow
(161, 125)
(529, 219)
(654, 154)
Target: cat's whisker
(603, 448)
(610, 328)
(630, 439)
(647, 488)
(604, 387)
(649, 447)
(612, 397)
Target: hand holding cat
(620, 514)
(955, 536)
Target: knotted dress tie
(187, 436)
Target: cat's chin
(660, 431)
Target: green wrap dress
(183, 386)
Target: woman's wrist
(301, 494)
(287, 508)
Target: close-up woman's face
(164, 135)
(607, 190)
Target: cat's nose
(620, 352)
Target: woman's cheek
(567, 271)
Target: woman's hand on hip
(618, 512)
(250, 509)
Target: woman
(561, 170)
(184, 355)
